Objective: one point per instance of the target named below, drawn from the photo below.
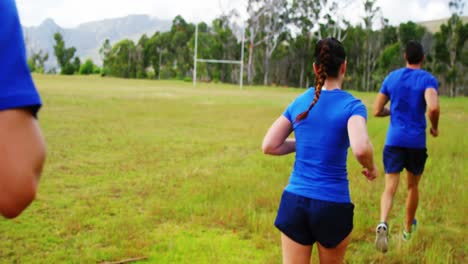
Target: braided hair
(329, 55)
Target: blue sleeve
(287, 113)
(358, 108)
(431, 82)
(384, 88)
(298, 105)
(17, 89)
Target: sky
(70, 13)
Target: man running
(22, 148)
(410, 90)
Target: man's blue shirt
(322, 144)
(405, 88)
(17, 89)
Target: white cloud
(398, 11)
(69, 13)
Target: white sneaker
(381, 239)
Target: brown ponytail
(321, 76)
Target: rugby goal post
(196, 60)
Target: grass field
(174, 173)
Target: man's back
(410, 91)
(406, 88)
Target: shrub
(87, 67)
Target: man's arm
(276, 140)
(379, 106)
(433, 110)
(22, 155)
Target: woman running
(316, 204)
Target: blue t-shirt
(17, 89)
(322, 144)
(405, 88)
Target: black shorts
(307, 220)
(396, 159)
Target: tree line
(280, 37)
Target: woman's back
(322, 144)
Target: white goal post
(196, 60)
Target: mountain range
(88, 38)
(434, 25)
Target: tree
(142, 60)
(450, 47)
(76, 64)
(450, 50)
(457, 33)
(305, 15)
(121, 59)
(153, 52)
(226, 46)
(390, 59)
(87, 68)
(104, 52)
(283, 69)
(390, 34)
(65, 55)
(316, 19)
(331, 19)
(355, 49)
(410, 31)
(457, 7)
(37, 60)
(373, 42)
(164, 57)
(274, 23)
(31, 65)
(181, 33)
(255, 10)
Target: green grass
(175, 173)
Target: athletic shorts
(396, 159)
(307, 220)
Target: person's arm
(379, 106)
(22, 155)
(361, 145)
(433, 110)
(276, 140)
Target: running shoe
(414, 226)
(381, 239)
(407, 235)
